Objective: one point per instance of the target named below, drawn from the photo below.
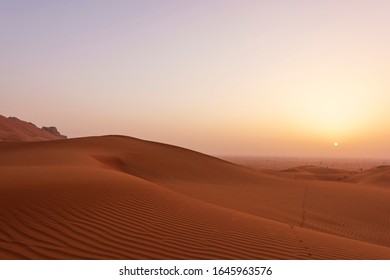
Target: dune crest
(116, 197)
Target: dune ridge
(116, 197)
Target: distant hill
(14, 130)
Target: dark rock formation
(53, 130)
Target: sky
(271, 78)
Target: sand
(116, 197)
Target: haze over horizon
(220, 77)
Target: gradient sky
(284, 78)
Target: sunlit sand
(117, 197)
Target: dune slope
(379, 176)
(118, 197)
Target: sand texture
(116, 197)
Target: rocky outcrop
(13, 129)
(53, 130)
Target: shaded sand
(13, 129)
(117, 197)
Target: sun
(335, 144)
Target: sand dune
(377, 176)
(118, 197)
(312, 172)
(13, 129)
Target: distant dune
(116, 197)
(379, 175)
(12, 129)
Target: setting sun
(248, 79)
(196, 130)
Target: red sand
(118, 197)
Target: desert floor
(116, 197)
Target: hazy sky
(286, 78)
